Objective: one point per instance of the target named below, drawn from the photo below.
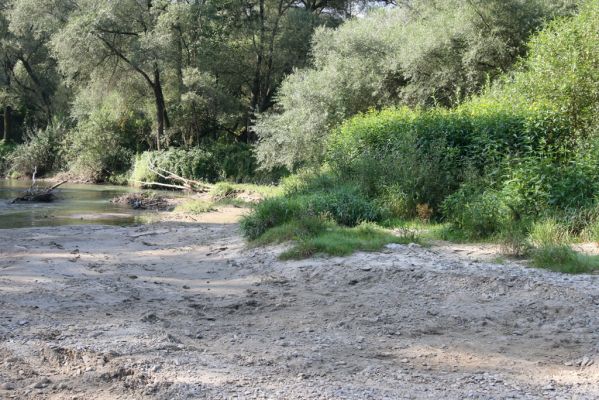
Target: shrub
(548, 232)
(223, 190)
(430, 52)
(235, 161)
(514, 238)
(562, 258)
(478, 214)
(103, 142)
(6, 148)
(193, 163)
(40, 151)
(270, 213)
(343, 205)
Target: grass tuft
(342, 241)
(314, 235)
(561, 258)
(223, 190)
(195, 207)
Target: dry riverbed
(184, 310)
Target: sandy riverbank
(184, 310)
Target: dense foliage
(131, 76)
(179, 73)
(425, 53)
(525, 150)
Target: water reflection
(75, 204)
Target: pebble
(23, 322)
(7, 386)
(42, 383)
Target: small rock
(155, 368)
(394, 246)
(23, 322)
(7, 386)
(42, 383)
(186, 287)
(404, 360)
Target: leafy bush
(213, 162)
(270, 213)
(6, 148)
(478, 214)
(562, 258)
(427, 53)
(104, 141)
(40, 151)
(193, 163)
(343, 205)
(223, 190)
(235, 161)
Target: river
(75, 204)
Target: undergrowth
(314, 236)
(195, 207)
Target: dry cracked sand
(181, 310)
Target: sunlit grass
(195, 207)
(313, 236)
(562, 258)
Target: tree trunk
(161, 117)
(7, 123)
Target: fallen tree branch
(186, 184)
(163, 185)
(38, 194)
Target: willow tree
(28, 74)
(106, 35)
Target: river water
(75, 204)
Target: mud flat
(184, 310)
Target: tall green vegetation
(497, 165)
(201, 74)
(421, 53)
(184, 73)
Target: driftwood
(182, 183)
(143, 201)
(37, 194)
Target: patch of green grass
(295, 230)
(239, 203)
(262, 190)
(342, 241)
(314, 235)
(195, 207)
(223, 190)
(561, 258)
(429, 231)
(227, 190)
(549, 233)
